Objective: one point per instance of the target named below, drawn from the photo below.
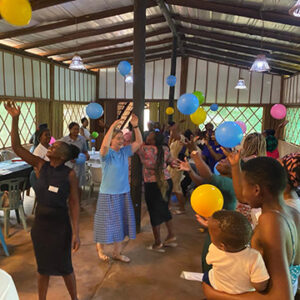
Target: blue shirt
(209, 158)
(115, 171)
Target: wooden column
(138, 100)
(173, 72)
(183, 76)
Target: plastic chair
(96, 176)
(7, 154)
(12, 186)
(3, 243)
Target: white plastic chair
(95, 179)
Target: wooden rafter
(125, 55)
(103, 43)
(88, 32)
(118, 49)
(231, 61)
(275, 34)
(71, 21)
(241, 41)
(39, 4)
(238, 56)
(239, 10)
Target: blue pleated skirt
(114, 218)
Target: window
(27, 124)
(251, 116)
(292, 130)
(72, 113)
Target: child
(237, 268)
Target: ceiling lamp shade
(260, 64)
(241, 85)
(295, 10)
(76, 63)
(129, 78)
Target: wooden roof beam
(275, 34)
(231, 61)
(72, 21)
(241, 49)
(241, 41)
(165, 11)
(250, 59)
(88, 32)
(116, 62)
(103, 43)
(125, 55)
(117, 49)
(238, 10)
(39, 4)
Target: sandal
(121, 258)
(171, 242)
(158, 248)
(178, 212)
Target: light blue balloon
(214, 107)
(187, 104)
(80, 160)
(93, 141)
(229, 134)
(94, 110)
(216, 172)
(124, 67)
(171, 80)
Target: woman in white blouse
(44, 140)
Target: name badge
(53, 189)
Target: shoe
(122, 258)
(178, 212)
(158, 248)
(171, 242)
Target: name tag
(53, 189)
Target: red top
(273, 154)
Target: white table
(95, 156)
(94, 161)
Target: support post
(173, 72)
(139, 32)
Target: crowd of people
(251, 250)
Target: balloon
(215, 169)
(16, 12)
(214, 107)
(81, 159)
(94, 134)
(206, 199)
(187, 104)
(278, 111)
(242, 125)
(93, 141)
(199, 116)
(229, 134)
(171, 80)
(169, 110)
(52, 140)
(94, 110)
(200, 97)
(124, 67)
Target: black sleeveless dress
(51, 232)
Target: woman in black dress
(54, 233)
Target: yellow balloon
(169, 110)
(16, 12)
(206, 199)
(199, 116)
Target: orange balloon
(206, 199)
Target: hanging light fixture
(295, 10)
(241, 85)
(260, 64)
(129, 78)
(76, 63)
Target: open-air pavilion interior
(209, 45)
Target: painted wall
(291, 93)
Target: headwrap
(291, 163)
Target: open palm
(233, 157)
(12, 109)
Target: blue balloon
(171, 80)
(80, 160)
(229, 134)
(215, 169)
(214, 107)
(124, 67)
(187, 104)
(93, 141)
(94, 110)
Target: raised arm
(15, 112)
(137, 133)
(185, 166)
(107, 138)
(235, 162)
(216, 156)
(74, 210)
